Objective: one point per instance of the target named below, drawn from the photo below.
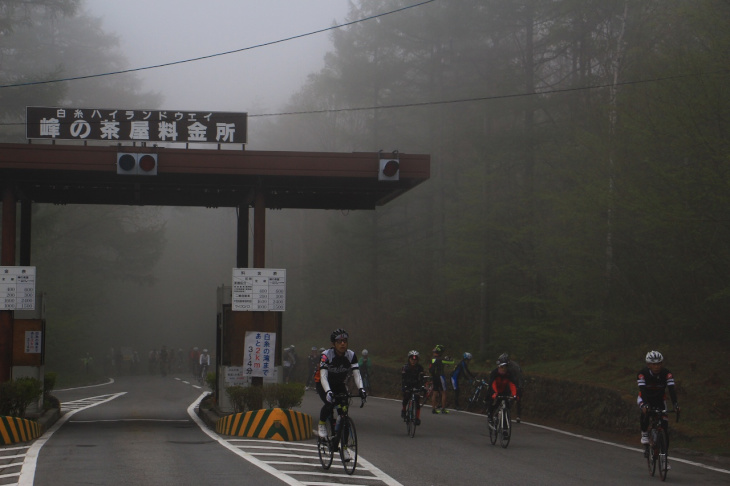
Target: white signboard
(259, 289)
(235, 376)
(17, 288)
(259, 353)
(33, 342)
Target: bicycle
(657, 450)
(203, 374)
(344, 437)
(428, 389)
(500, 426)
(478, 399)
(411, 411)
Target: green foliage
(280, 395)
(16, 395)
(576, 218)
(210, 380)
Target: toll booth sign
(259, 289)
(17, 288)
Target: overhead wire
(219, 54)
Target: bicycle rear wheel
(506, 432)
(349, 443)
(663, 456)
(325, 449)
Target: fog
(179, 309)
(255, 80)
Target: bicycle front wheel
(506, 432)
(408, 420)
(325, 449)
(411, 416)
(348, 446)
(493, 428)
(661, 446)
(653, 451)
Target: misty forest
(579, 195)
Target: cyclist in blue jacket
(462, 369)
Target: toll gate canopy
(77, 174)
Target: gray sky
(259, 80)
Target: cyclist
(516, 372)
(462, 369)
(365, 369)
(334, 366)
(653, 379)
(411, 377)
(501, 384)
(204, 363)
(436, 369)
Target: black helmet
(338, 334)
(439, 348)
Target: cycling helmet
(503, 357)
(439, 348)
(501, 361)
(338, 334)
(364, 352)
(314, 348)
(205, 350)
(467, 355)
(654, 357)
(412, 352)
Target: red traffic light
(129, 163)
(389, 170)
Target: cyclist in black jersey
(653, 380)
(411, 377)
(334, 366)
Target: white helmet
(205, 350)
(654, 357)
(364, 352)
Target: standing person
(501, 384)
(436, 369)
(462, 369)
(194, 360)
(334, 366)
(516, 373)
(312, 361)
(411, 377)
(653, 380)
(151, 361)
(290, 359)
(365, 363)
(164, 357)
(204, 364)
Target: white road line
(237, 446)
(579, 436)
(27, 473)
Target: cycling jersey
(333, 369)
(499, 384)
(652, 387)
(411, 376)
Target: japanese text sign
(136, 125)
(259, 354)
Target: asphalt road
(146, 436)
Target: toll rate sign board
(17, 288)
(259, 289)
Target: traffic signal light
(389, 168)
(130, 163)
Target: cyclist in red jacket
(501, 383)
